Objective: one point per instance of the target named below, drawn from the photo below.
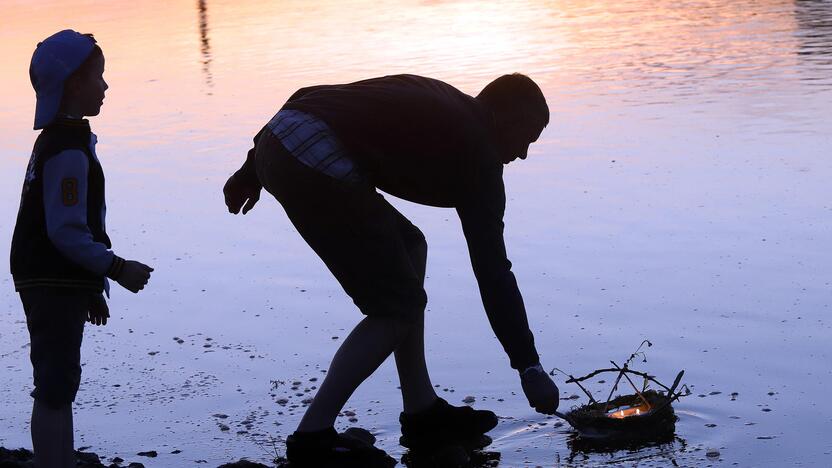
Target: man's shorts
(375, 253)
(55, 318)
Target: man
(323, 156)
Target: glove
(132, 275)
(540, 390)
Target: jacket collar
(70, 124)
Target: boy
(60, 255)
(323, 156)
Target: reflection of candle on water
(626, 413)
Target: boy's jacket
(35, 261)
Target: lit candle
(626, 413)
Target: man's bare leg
(417, 390)
(366, 347)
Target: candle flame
(633, 411)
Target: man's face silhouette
(516, 140)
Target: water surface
(680, 193)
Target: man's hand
(240, 193)
(134, 275)
(540, 390)
(99, 312)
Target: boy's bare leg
(366, 347)
(69, 439)
(51, 435)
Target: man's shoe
(327, 448)
(443, 423)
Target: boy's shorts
(374, 252)
(55, 318)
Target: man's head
(67, 73)
(520, 113)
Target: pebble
(469, 399)
(149, 453)
(712, 453)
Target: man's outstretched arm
(482, 224)
(500, 294)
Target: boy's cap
(54, 59)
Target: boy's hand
(540, 390)
(99, 312)
(134, 275)
(240, 194)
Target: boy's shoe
(329, 449)
(443, 423)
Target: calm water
(680, 193)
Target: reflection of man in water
(323, 156)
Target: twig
(633, 385)
(565, 418)
(591, 399)
(670, 396)
(675, 383)
(636, 352)
(629, 371)
(614, 388)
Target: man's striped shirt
(313, 143)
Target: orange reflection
(159, 52)
(644, 408)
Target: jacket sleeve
(248, 171)
(65, 206)
(481, 214)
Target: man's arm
(482, 223)
(242, 189)
(248, 171)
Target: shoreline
(22, 458)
